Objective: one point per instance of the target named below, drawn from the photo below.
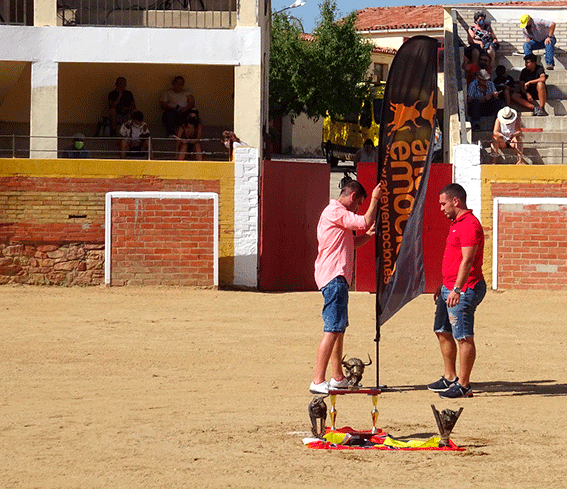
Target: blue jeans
(458, 320)
(335, 309)
(530, 45)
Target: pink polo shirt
(336, 243)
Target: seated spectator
(482, 99)
(231, 141)
(135, 134)
(121, 104)
(366, 154)
(507, 133)
(188, 137)
(539, 34)
(175, 103)
(77, 149)
(532, 86)
(482, 38)
(505, 84)
(470, 68)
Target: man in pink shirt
(333, 274)
(462, 291)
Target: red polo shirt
(465, 231)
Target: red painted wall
(435, 229)
(293, 195)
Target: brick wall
(52, 229)
(163, 241)
(532, 245)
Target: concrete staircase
(545, 139)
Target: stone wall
(51, 264)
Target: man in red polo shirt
(462, 291)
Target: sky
(309, 13)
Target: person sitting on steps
(532, 86)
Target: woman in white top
(508, 133)
(176, 102)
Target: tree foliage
(326, 74)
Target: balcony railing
(20, 146)
(183, 14)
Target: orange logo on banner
(402, 115)
(429, 112)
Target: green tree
(327, 74)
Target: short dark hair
(179, 77)
(500, 70)
(368, 141)
(478, 15)
(137, 115)
(530, 57)
(354, 187)
(454, 190)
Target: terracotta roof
(405, 17)
(306, 37)
(424, 16)
(381, 50)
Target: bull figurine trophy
(354, 368)
(446, 421)
(318, 412)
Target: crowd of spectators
(493, 98)
(123, 120)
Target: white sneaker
(335, 384)
(322, 388)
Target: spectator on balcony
(507, 133)
(532, 86)
(77, 149)
(539, 35)
(135, 135)
(482, 38)
(189, 134)
(231, 141)
(483, 99)
(176, 102)
(121, 104)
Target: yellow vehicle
(343, 137)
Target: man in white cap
(539, 35)
(507, 133)
(483, 99)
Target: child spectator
(77, 149)
(504, 84)
(135, 134)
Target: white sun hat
(507, 115)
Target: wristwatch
(457, 289)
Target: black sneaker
(456, 391)
(442, 384)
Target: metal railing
(535, 153)
(16, 12)
(212, 14)
(21, 146)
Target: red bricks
(50, 214)
(162, 242)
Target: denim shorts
(458, 320)
(335, 309)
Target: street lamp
(297, 3)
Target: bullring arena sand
(179, 388)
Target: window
(380, 72)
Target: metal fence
(20, 146)
(184, 14)
(535, 153)
(217, 14)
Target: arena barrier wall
(52, 221)
(526, 202)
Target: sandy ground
(179, 388)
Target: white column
(246, 215)
(466, 172)
(43, 112)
